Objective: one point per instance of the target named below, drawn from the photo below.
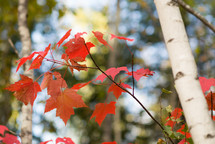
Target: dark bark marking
(210, 136)
(179, 75)
(189, 99)
(170, 40)
(172, 3)
(196, 78)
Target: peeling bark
(26, 128)
(185, 72)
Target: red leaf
(176, 114)
(182, 131)
(183, 142)
(53, 86)
(8, 138)
(117, 91)
(112, 72)
(23, 60)
(76, 49)
(206, 83)
(99, 37)
(79, 34)
(64, 37)
(80, 85)
(64, 103)
(101, 110)
(208, 99)
(25, 90)
(45, 142)
(65, 140)
(109, 142)
(38, 60)
(120, 37)
(140, 73)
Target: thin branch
(195, 13)
(132, 71)
(128, 93)
(211, 105)
(9, 132)
(12, 45)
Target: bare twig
(195, 13)
(12, 45)
(9, 132)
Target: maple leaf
(120, 37)
(117, 91)
(112, 72)
(80, 85)
(140, 73)
(7, 138)
(101, 110)
(206, 83)
(79, 34)
(183, 142)
(73, 63)
(76, 49)
(64, 103)
(109, 142)
(175, 114)
(99, 37)
(65, 140)
(38, 60)
(25, 90)
(53, 86)
(208, 99)
(64, 37)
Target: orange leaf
(80, 85)
(25, 90)
(101, 110)
(208, 99)
(64, 103)
(140, 73)
(120, 37)
(117, 91)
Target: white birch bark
(26, 128)
(185, 74)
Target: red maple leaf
(79, 34)
(117, 91)
(206, 83)
(65, 102)
(101, 110)
(38, 60)
(183, 142)
(25, 90)
(99, 37)
(76, 49)
(109, 142)
(120, 37)
(73, 64)
(45, 142)
(208, 99)
(140, 73)
(175, 114)
(7, 138)
(54, 86)
(65, 140)
(112, 72)
(64, 37)
(183, 131)
(80, 85)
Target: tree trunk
(185, 73)
(26, 128)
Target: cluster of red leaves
(65, 99)
(65, 140)
(172, 120)
(6, 137)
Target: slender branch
(12, 45)
(9, 132)
(132, 72)
(195, 13)
(128, 93)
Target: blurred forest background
(48, 20)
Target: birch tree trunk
(26, 128)
(185, 73)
